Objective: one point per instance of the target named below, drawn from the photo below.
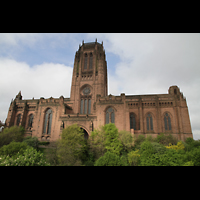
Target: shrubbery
(106, 146)
(30, 157)
(14, 133)
(15, 150)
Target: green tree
(127, 140)
(158, 148)
(97, 142)
(165, 139)
(133, 157)
(194, 156)
(71, 146)
(112, 142)
(32, 141)
(138, 141)
(108, 159)
(14, 133)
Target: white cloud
(45, 80)
(14, 39)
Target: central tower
(89, 77)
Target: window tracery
(47, 122)
(110, 115)
(149, 122)
(167, 122)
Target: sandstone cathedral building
(90, 106)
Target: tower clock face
(86, 91)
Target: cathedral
(90, 106)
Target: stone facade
(90, 106)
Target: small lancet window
(132, 121)
(91, 60)
(85, 62)
(30, 121)
(82, 106)
(167, 122)
(110, 116)
(18, 119)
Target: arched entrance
(85, 133)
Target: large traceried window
(47, 122)
(85, 106)
(110, 115)
(167, 122)
(18, 119)
(132, 121)
(149, 122)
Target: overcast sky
(40, 65)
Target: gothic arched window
(85, 107)
(91, 60)
(30, 121)
(18, 119)
(149, 122)
(132, 121)
(110, 115)
(85, 62)
(47, 122)
(167, 122)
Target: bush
(179, 145)
(32, 142)
(43, 143)
(30, 157)
(158, 148)
(194, 156)
(51, 156)
(108, 159)
(13, 148)
(138, 141)
(165, 139)
(147, 148)
(133, 157)
(14, 133)
(127, 140)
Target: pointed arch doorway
(86, 135)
